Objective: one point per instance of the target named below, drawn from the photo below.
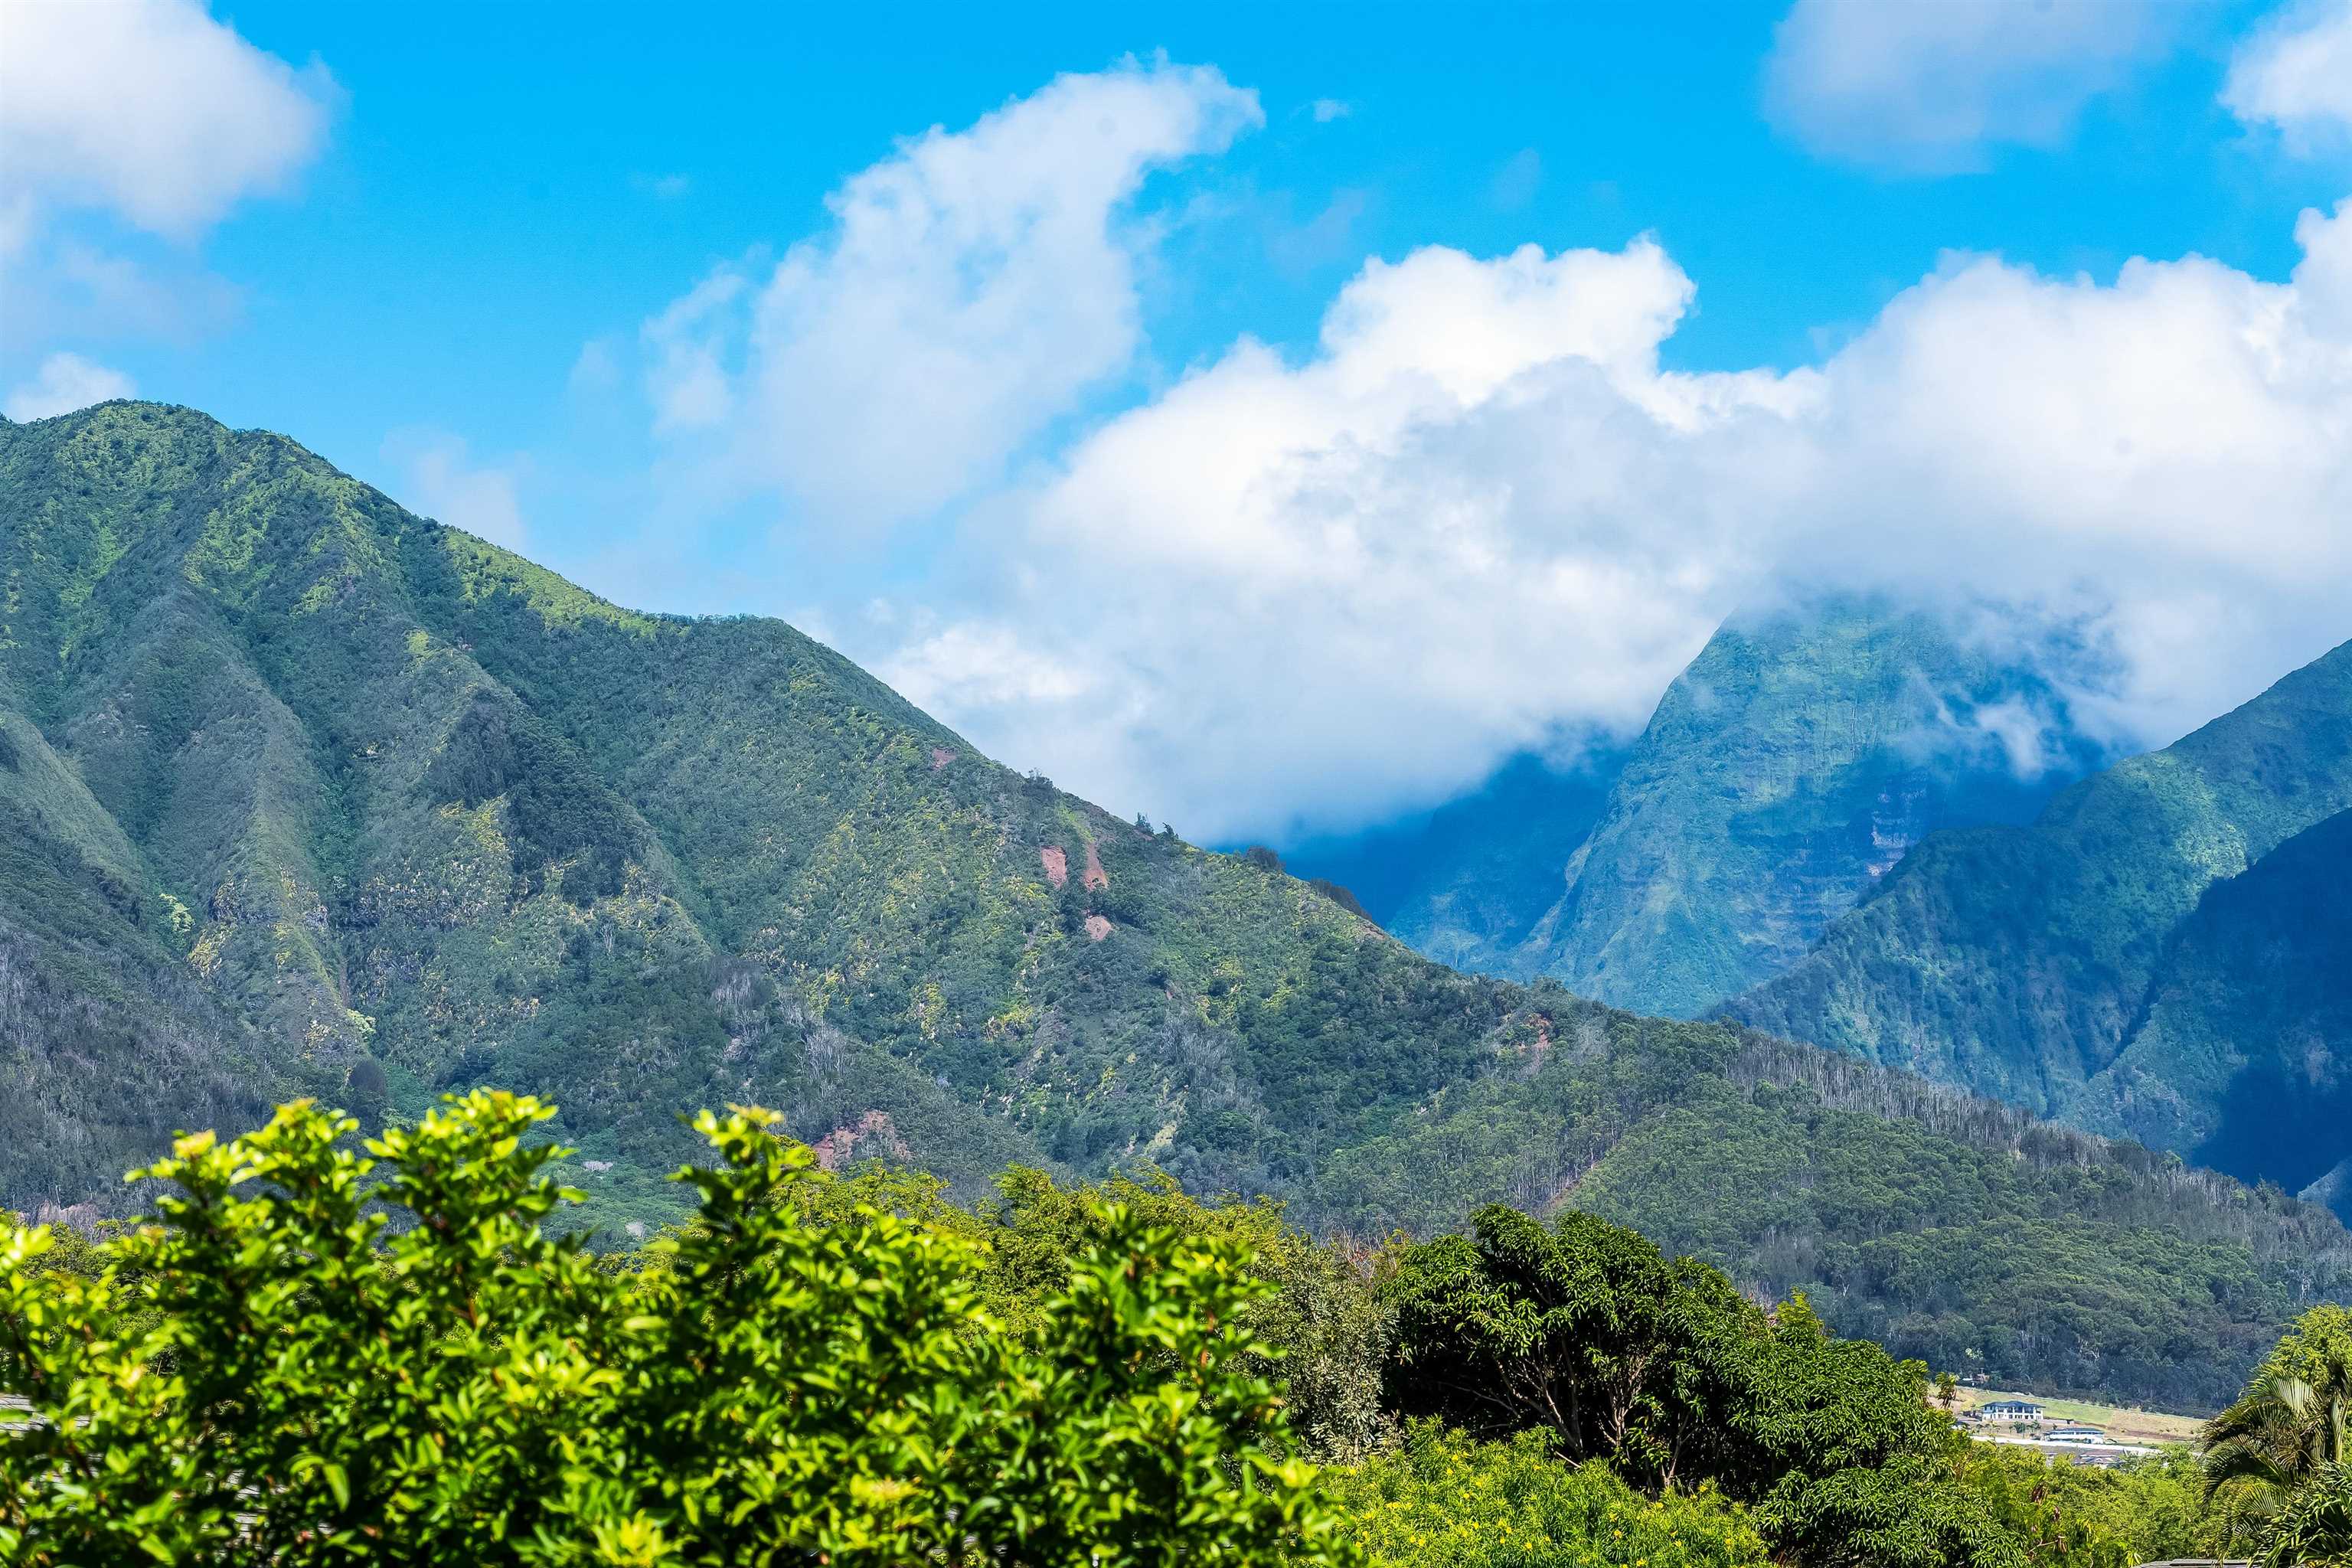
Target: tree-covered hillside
(2132, 961)
(416, 814)
(313, 794)
(2242, 1058)
(1946, 1227)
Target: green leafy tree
(1572, 1327)
(1442, 1500)
(2067, 1515)
(313, 1355)
(1319, 1314)
(1658, 1367)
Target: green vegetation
(1952, 1231)
(316, 1351)
(1795, 761)
(305, 795)
(2135, 960)
(285, 1375)
(2282, 1455)
(1589, 1332)
(2240, 1061)
(2079, 1516)
(1444, 1500)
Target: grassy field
(2154, 1428)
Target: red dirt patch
(1095, 876)
(1057, 864)
(941, 757)
(1097, 927)
(1542, 1048)
(834, 1149)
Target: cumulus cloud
(1929, 88)
(969, 290)
(64, 383)
(438, 480)
(2295, 73)
(1481, 516)
(149, 108)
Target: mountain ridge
(1785, 771)
(392, 811)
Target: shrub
(312, 1355)
(1447, 1500)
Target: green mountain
(1786, 770)
(2243, 1056)
(409, 812)
(2161, 951)
(306, 794)
(1944, 1227)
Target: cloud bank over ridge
(1311, 590)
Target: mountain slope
(108, 1041)
(1785, 771)
(438, 817)
(2024, 963)
(1944, 1227)
(314, 796)
(2242, 1058)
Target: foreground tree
(1586, 1332)
(2278, 1457)
(312, 1355)
(2314, 1527)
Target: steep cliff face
(2242, 1057)
(1789, 768)
(2076, 966)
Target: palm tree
(2283, 1448)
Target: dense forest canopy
(319, 1352)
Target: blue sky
(442, 260)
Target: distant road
(2076, 1450)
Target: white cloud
(438, 479)
(149, 108)
(64, 383)
(1928, 87)
(972, 287)
(2296, 73)
(1327, 109)
(1481, 516)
